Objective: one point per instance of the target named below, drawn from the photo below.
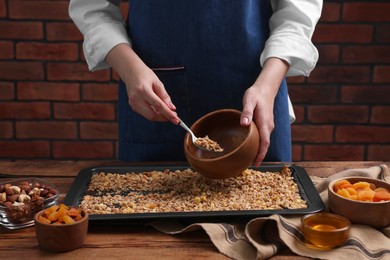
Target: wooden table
(123, 242)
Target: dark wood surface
(131, 241)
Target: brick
(115, 76)
(378, 153)
(334, 152)
(47, 51)
(381, 74)
(6, 130)
(7, 91)
(13, 70)
(12, 30)
(366, 54)
(27, 90)
(22, 110)
(310, 94)
(382, 33)
(75, 71)
(99, 130)
(3, 8)
(312, 133)
(295, 80)
(46, 130)
(380, 114)
(97, 111)
(331, 12)
(338, 114)
(363, 134)
(296, 152)
(124, 6)
(24, 149)
(343, 33)
(371, 94)
(366, 12)
(6, 50)
(100, 92)
(63, 31)
(55, 10)
(299, 113)
(340, 74)
(83, 150)
(329, 54)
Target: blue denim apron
(206, 53)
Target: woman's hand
(147, 95)
(258, 102)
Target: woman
(186, 58)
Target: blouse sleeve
(291, 28)
(101, 23)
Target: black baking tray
(306, 187)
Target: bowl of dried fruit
(21, 198)
(230, 148)
(61, 228)
(362, 200)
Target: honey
(325, 230)
(322, 227)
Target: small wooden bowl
(62, 237)
(375, 214)
(240, 144)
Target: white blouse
(291, 27)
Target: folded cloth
(263, 237)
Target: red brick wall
(52, 107)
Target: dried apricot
(44, 220)
(365, 195)
(381, 196)
(338, 184)
(361, 185)
(344, 193)
(61, 214)
(361, 190)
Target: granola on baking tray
(186, 191)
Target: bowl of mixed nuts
(21, 198)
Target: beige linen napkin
(263, 237)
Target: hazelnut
(24, 187)
(9, 191)
(44, 192)
(13, 198)
(52, 191)
(8, 204)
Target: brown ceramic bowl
(375, 214)
(61, 237)
(240, 144)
